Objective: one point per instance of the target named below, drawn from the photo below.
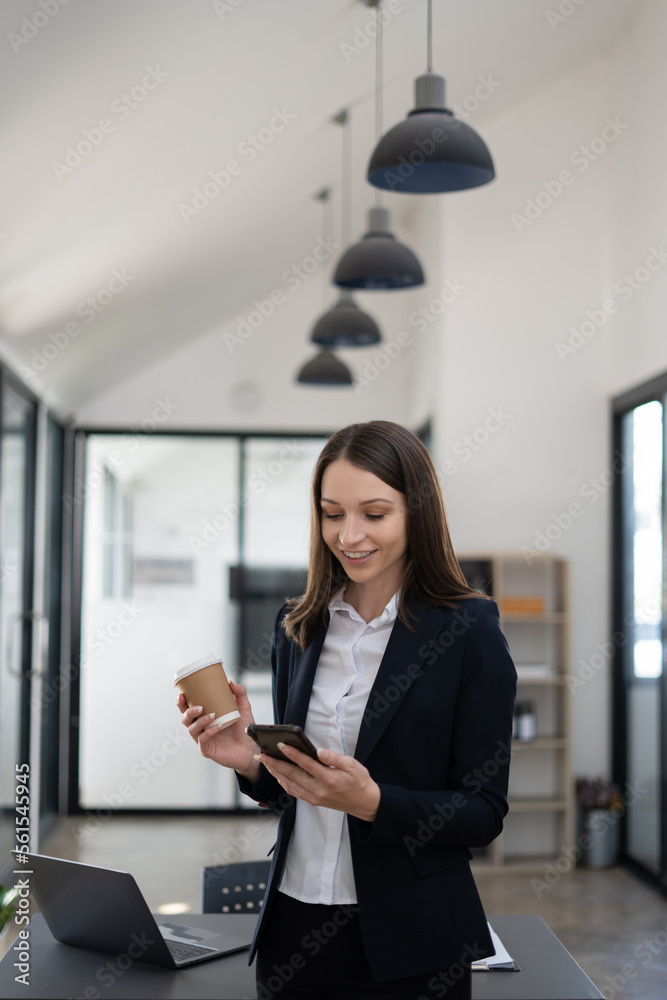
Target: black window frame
(653, 390)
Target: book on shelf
(533, 671)
(520, 605)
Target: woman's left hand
(336, 781)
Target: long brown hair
(432, 572)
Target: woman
(399, 672)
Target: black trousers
(315, 952)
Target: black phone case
(268, 737)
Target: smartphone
(268, 738)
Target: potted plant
(601, 806)
(8, 897)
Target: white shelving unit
(541, 793)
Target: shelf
(553, 679)
(542, 743)
(521, 865)
(534, 605)
(538, 805)
(489, 865)
(548, 617)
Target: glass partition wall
(640, 702)
(190, 545)
(17, 463)
(31, 517)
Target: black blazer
(435, 736)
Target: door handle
(17, 620)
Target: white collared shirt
(318, 867)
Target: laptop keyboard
(183, 952)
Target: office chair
(237, 888)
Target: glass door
(640, 699)
(160, 533)
(49, 684)
(17, 470)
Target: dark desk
(548, 971)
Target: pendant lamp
(325, 369)
(345, 325)
(378, 262)
(431, 151)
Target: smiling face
(364, 523)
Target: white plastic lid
(191, 668)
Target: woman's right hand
(231, 747)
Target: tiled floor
(613, 925)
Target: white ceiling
(226, 65)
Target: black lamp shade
(431, 151)
(378, 261)
(325, 369)
(346, 325)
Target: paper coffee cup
(204, 683)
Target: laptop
(103, 909)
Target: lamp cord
(378, 74)
(346, 200)
(378, 86)
(323, 197)
(429, 35)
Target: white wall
(639, 344)
(429, 310)
(522, 432)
